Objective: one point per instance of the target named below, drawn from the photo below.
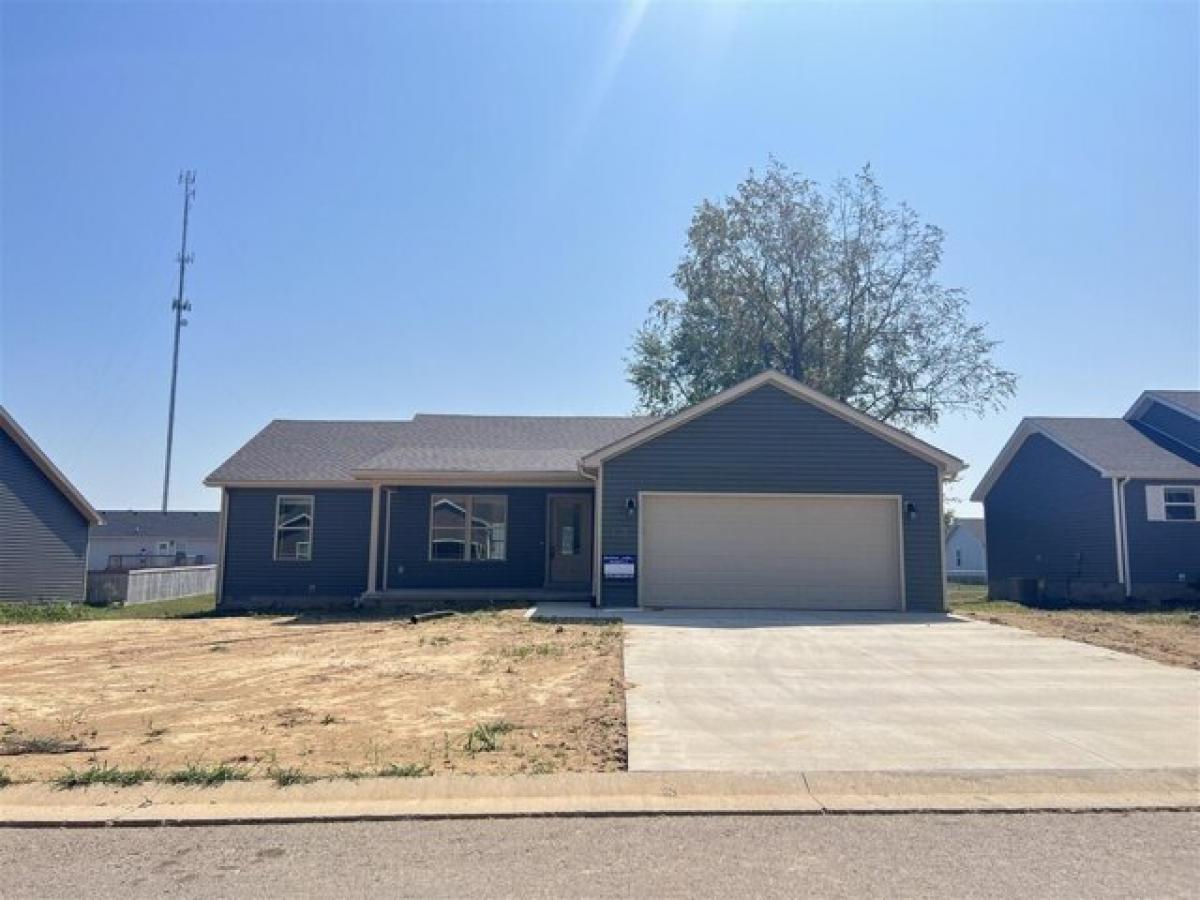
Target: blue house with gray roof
(44, 523)
(1094, 509)
(769, 494)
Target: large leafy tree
(835, 287)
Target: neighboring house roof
(42, 461)
(973, 527)
(508, 444)
(1186, 402)
(152, 523)
(314, 452)
(1113, 447)
(478, 447)
(950, 465)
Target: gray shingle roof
(314, 451)
(450, 443)
(1115, 446)
(973, 526)
(331, 451)
(1189, 400)
(187, 525)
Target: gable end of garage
(770, 442)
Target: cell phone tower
(188, 180)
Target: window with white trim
(1172, 503)
(294, 527)
(468, 527)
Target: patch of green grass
(5, 778)
(21, 613)
(485, 737)
(102, 774)
(289, 775)
(407, 770)
(207, 776)
(14, 743)
(959, 594)
(33, 613)
(180, 608)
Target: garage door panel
(787, 551)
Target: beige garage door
(789, 551)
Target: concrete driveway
(762, 691)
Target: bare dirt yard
(477, 693)
(1171, 637)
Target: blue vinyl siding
(408, 563)
(43, 537)
(768, 441)
(1177, 432)
(340, 547)
(1160, 551)
(1050, 516)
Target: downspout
(1125, 537)
(373, 547)
(597, 520)
(1121, 544)
(222, 540)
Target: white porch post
(373, 555)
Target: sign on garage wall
(620, 568)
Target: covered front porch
(481, 543)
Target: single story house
(966, 550)
(769, 494)
(149, 538)
(44, 522)
(1098, 508)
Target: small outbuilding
(44, 523)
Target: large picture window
(468, 527)
(294, 527)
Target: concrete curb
(606, 794)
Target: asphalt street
(963, 856)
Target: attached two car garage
(771, 495)
(789, 551)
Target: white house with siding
(966, 550)
(144, 539)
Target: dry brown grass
(318, 697)
(1171, 637)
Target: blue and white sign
(620, 568)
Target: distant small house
(146, 539)
(966, 551)
(44, 523)
(1096, 508)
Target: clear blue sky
(468, 207)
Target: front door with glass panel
(569, 543)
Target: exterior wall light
(911, 509)
(631, 506)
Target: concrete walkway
(778, 691)
(613, 793)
